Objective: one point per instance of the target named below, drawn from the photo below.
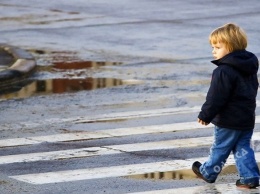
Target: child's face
(219, 50)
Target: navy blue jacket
(231, 98)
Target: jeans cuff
(254, 180)
(206, 175)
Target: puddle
(58, 86)
(178, 174)
(83, 64)
(73, 83)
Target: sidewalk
(15, 65)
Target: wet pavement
(111, 77)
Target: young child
(230, 106)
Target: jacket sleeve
(218, 94)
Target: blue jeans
(237, 141)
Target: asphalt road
(131, 127)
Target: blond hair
(231, 35)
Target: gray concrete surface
(164, 56)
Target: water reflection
(178, 174)
(27, 88)
(83, 64)
(58, 86)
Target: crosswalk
(126, 170)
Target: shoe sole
(246, 187)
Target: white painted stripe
(114, 171)
(144, 113)
(120, 115)
(139, 114)
(78, 136)
(165, 128)
(216, 188)
(105, 150)
(115, 149)
(104, 172)
(116, 116)
(85, 152)
(71, 136)
(102, 134)
(57, 155)
(17, 141)
(169, 144)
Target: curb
(24, 65)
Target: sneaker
(246, 185)
(196, 169)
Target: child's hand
(202, 122)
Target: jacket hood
(244, 61)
